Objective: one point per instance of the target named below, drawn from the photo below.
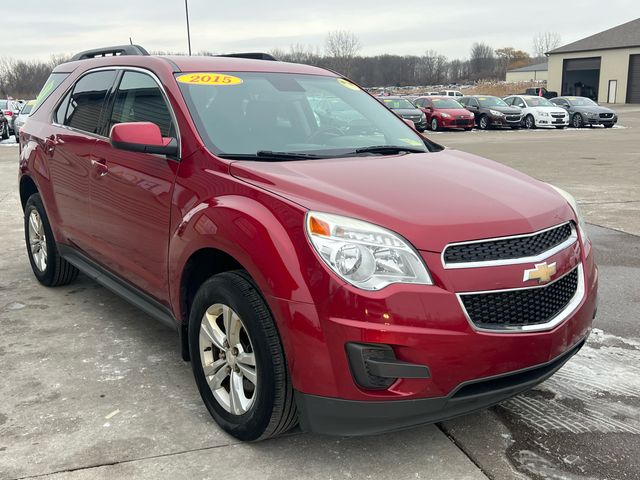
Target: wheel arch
(27, 188)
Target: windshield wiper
(388, 149)
(268, 155)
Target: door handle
(50, 144)
(100, 166)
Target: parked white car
(451, 93)
(539, 112)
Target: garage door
(581, 77)
(633, 86)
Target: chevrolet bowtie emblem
(542, 272)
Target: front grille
(508, 248)
(462, 122)
(606, 115)
(557, 115)
(513, 118)
(518, 308)
(413, 118)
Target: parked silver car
(10, 109)
(22, 117)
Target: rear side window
(53, 82)
(139, 99)
(83, 107)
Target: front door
(131, 194)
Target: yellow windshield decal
(410, 141)
(348, 84)
(208, 78)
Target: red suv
(337, 270)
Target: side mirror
(410, 123)
(144, 137)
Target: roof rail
(253, 55)
(110, 51)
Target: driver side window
(139, 99)
(518, 102)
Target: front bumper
(453, 122)
(333, 416)
(506, 120)
(552, 122)
(601, 121)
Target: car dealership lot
(93, 388)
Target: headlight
(495, 113)
(543, 114)
(423, 117)
(445, 115)
(365, 255)
(572, 201)
(592, 114)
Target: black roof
(626, 35)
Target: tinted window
(87, 99)
(473, 102)
(139, 99)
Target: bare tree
(544, 42)
(342, 44)
(482, 61)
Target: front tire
(434, 124)
(5, 132)
(529, 122)
(577, 121)
(48, 266)
(483, 123)
(238, 361)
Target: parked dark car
(10, 109)
(540, 92)
(584, 111)
(4, 126)
(492, 111)
(407, 110)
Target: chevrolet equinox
(322, 262)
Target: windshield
(445, 103)
(538, 102)
(581, 102)
(491, 102)
(247, 113)
(396, 103)
(4, 104)
(26, 110)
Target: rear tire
(232, 334)
(48, 266)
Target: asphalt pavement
(90, 387)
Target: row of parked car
(13, 114)
(487, 111)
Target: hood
(507, 110)
(592, 109)
(408, 112)
(431, 199)
(454, 111)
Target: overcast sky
(401, 27)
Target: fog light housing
(375, 367)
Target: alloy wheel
(37, 241)
(577, 120)
(529, 122)
(484, 123)
(434, 124)
(228, 359)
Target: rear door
(74, 133)
(131, 195)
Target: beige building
(604, 66)
(528, 74)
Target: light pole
(186, 11)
